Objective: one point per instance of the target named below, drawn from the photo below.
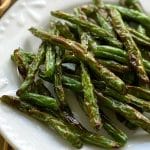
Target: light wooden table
(4, 145)
(4, 5)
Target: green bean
(71, 83)
(139, 37)
(59, 90)
(40, 100)
(69, 132)
(114, 66)
(64, 30)
(127, 111)
(89, 26)
(98, 3)
(32, 70)
(104, 24)
(84, 38)
(57, 124)
(112, 80)
(109, 69)
(139, 92)
(109, 49)
(137, 16)
(27, 57)
(98, 140)
(141, 30)
(75, 85)
(129, 99)
(58, 79)
(70, 80)
(49, 62)
(119, 55)
(88, 9)
(89, 101)
(79, 13)
(92, 138)
(134, 54)
(102, 19)
(22, 59)
(110, 56)
(133, 4)
(113, 131)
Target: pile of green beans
(110, 71)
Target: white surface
(21, 131)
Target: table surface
(4, 145)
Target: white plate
(21, 131)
